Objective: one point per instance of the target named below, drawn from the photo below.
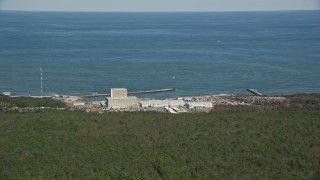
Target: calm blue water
(196, 53)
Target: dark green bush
(261, 144)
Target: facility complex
(120, 101)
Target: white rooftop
(118, 89)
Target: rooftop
(118, 89)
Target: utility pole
(41, 81)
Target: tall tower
(41, 81)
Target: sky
(158, 5)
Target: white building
(118, 92)
(151, 103)
(78, 104)
(161, 103)
(120, 100)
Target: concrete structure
(179, 110)
(151, 103)
(255, 92)
(170, 110)
(120, 100)
(175, 103)
(161, 103)
(118, 92)
(199, 105)
(78, 104)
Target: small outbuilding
(78, 104)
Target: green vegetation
(307, 101)
(29, 102)
(240, 142)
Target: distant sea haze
(196, 53)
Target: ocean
(197, 53)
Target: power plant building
(161, 103)
(119, 99)
(118, 92)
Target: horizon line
(176, 11)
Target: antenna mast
(41, 80)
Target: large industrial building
(118, 92)
(161, 103)
(119, 99)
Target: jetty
(130, 93)
(255, 92)
(152, 91)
